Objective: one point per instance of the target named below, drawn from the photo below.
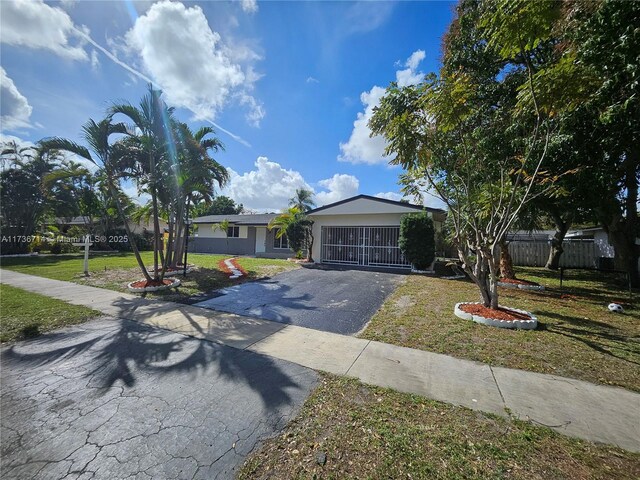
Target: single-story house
(138, 227)
(361, 230)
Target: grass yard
(115, 270)
(370, 432)
(25, 314)
(577, 337)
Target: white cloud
(15, 108)
(249, 6)
(338, 187)
(390, 196)
(312, 80)
(267, 188)
(34, 24)
(190, 62)
(361, 147)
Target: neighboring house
(136, 227)
(583, 248)
(600, 239)
(246, 235)
(361, 230)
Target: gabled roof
(257, 219)
(375, 199)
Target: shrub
(417, 239)
(64, 247)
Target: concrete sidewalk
(572, 407)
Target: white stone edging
(176, 283)
(235, 273)
(173, 272)
(530, 324)
(521, 286)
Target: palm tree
(96, 135)
(153, 143)
(293, 220)
(198, 175)
(303, 200)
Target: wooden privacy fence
(577, 253)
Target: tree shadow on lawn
(599, 336)
(112, 353)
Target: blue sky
(289, 85)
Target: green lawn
(115, 270)
(577, 336)
(376, 433)
(25, 314)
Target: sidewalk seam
(495, 380)
(263, 338)
(356, 359)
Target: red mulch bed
(495, 314)
(223, 266)
(517, 282)
(152, 283)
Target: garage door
(366, 246)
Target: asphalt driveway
(113, 399)
(338, 301)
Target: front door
(261, 239)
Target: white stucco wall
(206, 230)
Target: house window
(233, 232)
(282, 242)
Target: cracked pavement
(113, 399)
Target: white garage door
(366, 246)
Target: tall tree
(463, 134)
(198, 176)
(97, 135)
(220, 205)
(151, 145)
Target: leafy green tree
(297, 227)
(97, 135)
(417, 239)
(466, 135)
(220, 205)
(303, 200)
(35, 184)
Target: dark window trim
(279, 242)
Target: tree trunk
(624, 230)
(310, 246)
(562, 227)
(506, 262)
(127, 229)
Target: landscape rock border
(530, 324)
(521, 286)
(159, 288)
(171, 273)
